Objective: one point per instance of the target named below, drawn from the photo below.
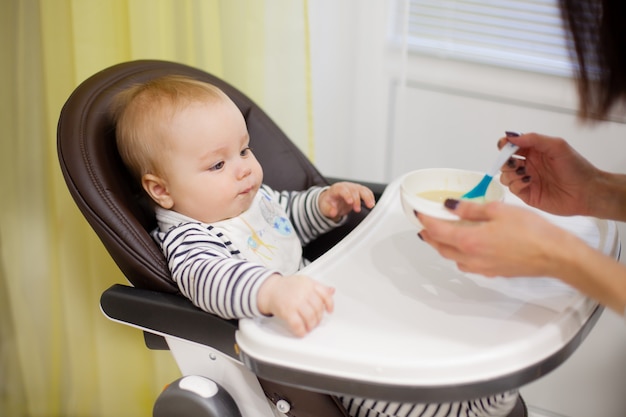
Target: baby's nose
(244, 171)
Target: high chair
(119, 212)
(223, 373)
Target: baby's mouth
(247, 190)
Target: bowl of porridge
(425, 191)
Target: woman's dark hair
(598, 41)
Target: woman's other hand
(552, 176)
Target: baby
(233, 244)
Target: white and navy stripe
(210, 270)
(302, 209)
(498, 405)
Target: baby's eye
(217, 166)
(246, 151)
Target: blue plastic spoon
(481, 188)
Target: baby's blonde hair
(142, 114)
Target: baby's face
(210, 172)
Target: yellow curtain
(59, 356)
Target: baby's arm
(207, 274)
(298, 300)
(343, 197)
(302, 208)
(230, 288)
(319, 209)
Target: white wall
(349, 87)
(376, 119)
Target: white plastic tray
(407, 320)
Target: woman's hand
(504, 240)
(553, 176)
(495, 240)
(297, 299)
(343, 197)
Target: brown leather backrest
(114, 205)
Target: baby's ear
(157, 189)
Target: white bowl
(455, 181)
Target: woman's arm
(509, 241)
(608, 198)
(592, 273)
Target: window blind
(520, 34)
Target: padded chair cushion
(114, 205)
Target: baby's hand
(298, 300)
(343, 197)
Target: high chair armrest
(168, 314)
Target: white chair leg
(243, 385)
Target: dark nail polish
(451, 203)
(526, 178)
(511, 163)
(420, 236)
(521, 171)
(510, 134)
(415, 212)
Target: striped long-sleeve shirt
(213, 268)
